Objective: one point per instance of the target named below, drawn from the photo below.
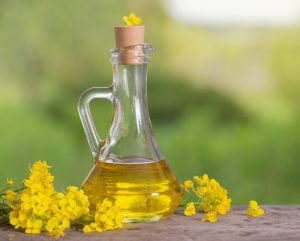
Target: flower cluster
(40, 208)
(106, 217)
(37, 207)
(212, 196)
(254, 210)
(66, 208)
(132, 19)
(7, 196)
(190, 209)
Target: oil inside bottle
(145, 191)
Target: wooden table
(281, 222)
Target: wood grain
(280, 222)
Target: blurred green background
(224, 100)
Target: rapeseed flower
(254, 210)
(190, 209)
(9, 181)
(9, 195)
(40, 208)
(132, 19)
(210, 217)
(188, 184)
(106, 217)
(33, 226)
(213, 198)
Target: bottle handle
(86, 118)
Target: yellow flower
(201, 180)
(197, 179)
(40, 208)
(55, 226)
(87, 229)
(33, 226)
(210, 217)
(40, 180)
(17, 219)
(96, 227)
(190, 209)
(52, 224)
(213, 184)
(15, 222)
(224, 206)
(132, 19)
(56, 233)
(40, 203)
(204, 179)
(106, 217)
(71, 205)
(188, 184)
(221, 209)
(254, 210)
(201, 190)
(9, 195)
(213, 198)
(106, 203)
(9, 181)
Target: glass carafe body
(129, 167)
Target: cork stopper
(129, 35)
(130, 41)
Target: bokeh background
(224, 88)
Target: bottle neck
(130, 136)
(130, 93)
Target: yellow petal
(201, 190)
(210, 217)
(253, 204)
(87, 229)
(254, 210)
(136, 21)
(188, 184)
(9, 181)
(132, 19)
(132, 15)
(190, 209)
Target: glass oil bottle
(128, 165)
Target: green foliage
(256, 159)
(244, 132)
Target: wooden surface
(279, 223)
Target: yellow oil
(144, 191)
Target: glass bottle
(129, 167)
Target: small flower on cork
(132, 19)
